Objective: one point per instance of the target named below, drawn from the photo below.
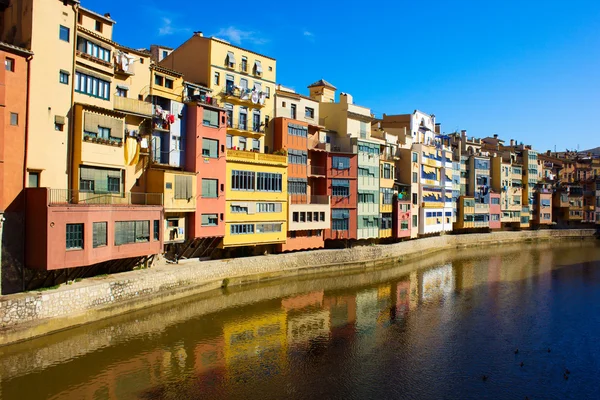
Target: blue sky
(528, 70)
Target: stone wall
(31, 314)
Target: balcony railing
(306, 199)
(246, 126)
(133, 106)
(255, 97)
(82, 198)
(256, 157)
(315, 170)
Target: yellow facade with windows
(249, 206)
(243, 81)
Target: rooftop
(15, 49)
(322, 82)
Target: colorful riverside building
(13, 99)
(426, 164)
(243, 84)
(84, 206)
(296, 131)
(349, 127)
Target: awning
(59, 119)
(230, 57)
(124, 87)
(258, 67)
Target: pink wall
(207, 168)
(400, 216)
(350, 202)
(45, 245)
(495, 209)
(303, 242)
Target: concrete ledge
(27, 315)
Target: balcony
(482, 208)
(96, 60)
(61, 197)
(306, 199)
(316, 171)
(255, 158)
(251, 98)
(589, 208)
(133, 106)
(176, 188)
(245, 128)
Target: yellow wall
(157, 183)
(88, 21)
(173, 94)
(240, 197)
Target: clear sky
(528, 70)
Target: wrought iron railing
(79, 197)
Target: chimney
(438, 128)
(107, 15)
(512, 142)
(495, 136)
(463, 135)
(198, 33)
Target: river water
(430, 329)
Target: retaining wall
(26, 315)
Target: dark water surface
(426, 330)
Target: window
(63, 77)
(98, 26)
(297, 185)
(415, 157)
(309, 112)
(229, 141)
(210, 118)
(59, 127)
(297, 130)
(268, 228)
(156, 229)
(74, 236)
(176, 143)
(268, 207)
(230, 60)
(169, 83)
(495, 217)
(495, 200)
(340, 187)
(9, 64)
(242, 180)
(14, 119)
(241, 229)
(293, 111)
(295, 216)
(297, 157)
(268, 91)
(99, 180)
(316, 216)
(363, 130)
(386, 221)
(387, 171)
(340, 162)
(127, 232)
(99, 234)
(302, 216)
(340, 219)
(121, 92)
(366, 198)
(239, 209)
(414, 199)
(210, 220)
(34, 179)
(268, 182)
(209, 188)
(388, 195)
(64, 33)
(256, 145)
(103, 132)
(210, 148)
(158, 80)
(241, 143)
(216, 78)
(415, 177)
(165, 54)
(414, 221)
(92, 49)
(244, 65)
(92, 86)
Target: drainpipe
(71, 133)
(25, 155)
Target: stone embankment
(31, 314)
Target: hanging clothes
(130, 148)
(144, 143)
(262, 98)
(254, 97)
(171, 118)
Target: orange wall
(13, 98)
(303, 242)
(46, 232)
(208, 168)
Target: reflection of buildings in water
(303, 301)
(402, 298)
(303, 328)
(342, 310)
(372, 307)
(437, 282)
(209, 355)
(255, 346)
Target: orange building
(13, 99)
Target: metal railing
(83, 198)
(246, 126)
(316, 170)
(307, 199)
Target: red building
(206, 132)
(542, 207)
(495, 211)
(402, 213)
(308, 209)
(13, 100)
(342, 186)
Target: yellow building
(466, 213)
(243, 81)
(256, 211)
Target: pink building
(495, 211)
(402, 214)
(205, 155)
(64, 229)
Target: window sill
(75, 249)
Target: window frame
(72, 241)
(97, 243)
(62, 30)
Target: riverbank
(27, 315)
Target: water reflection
(420, 330)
